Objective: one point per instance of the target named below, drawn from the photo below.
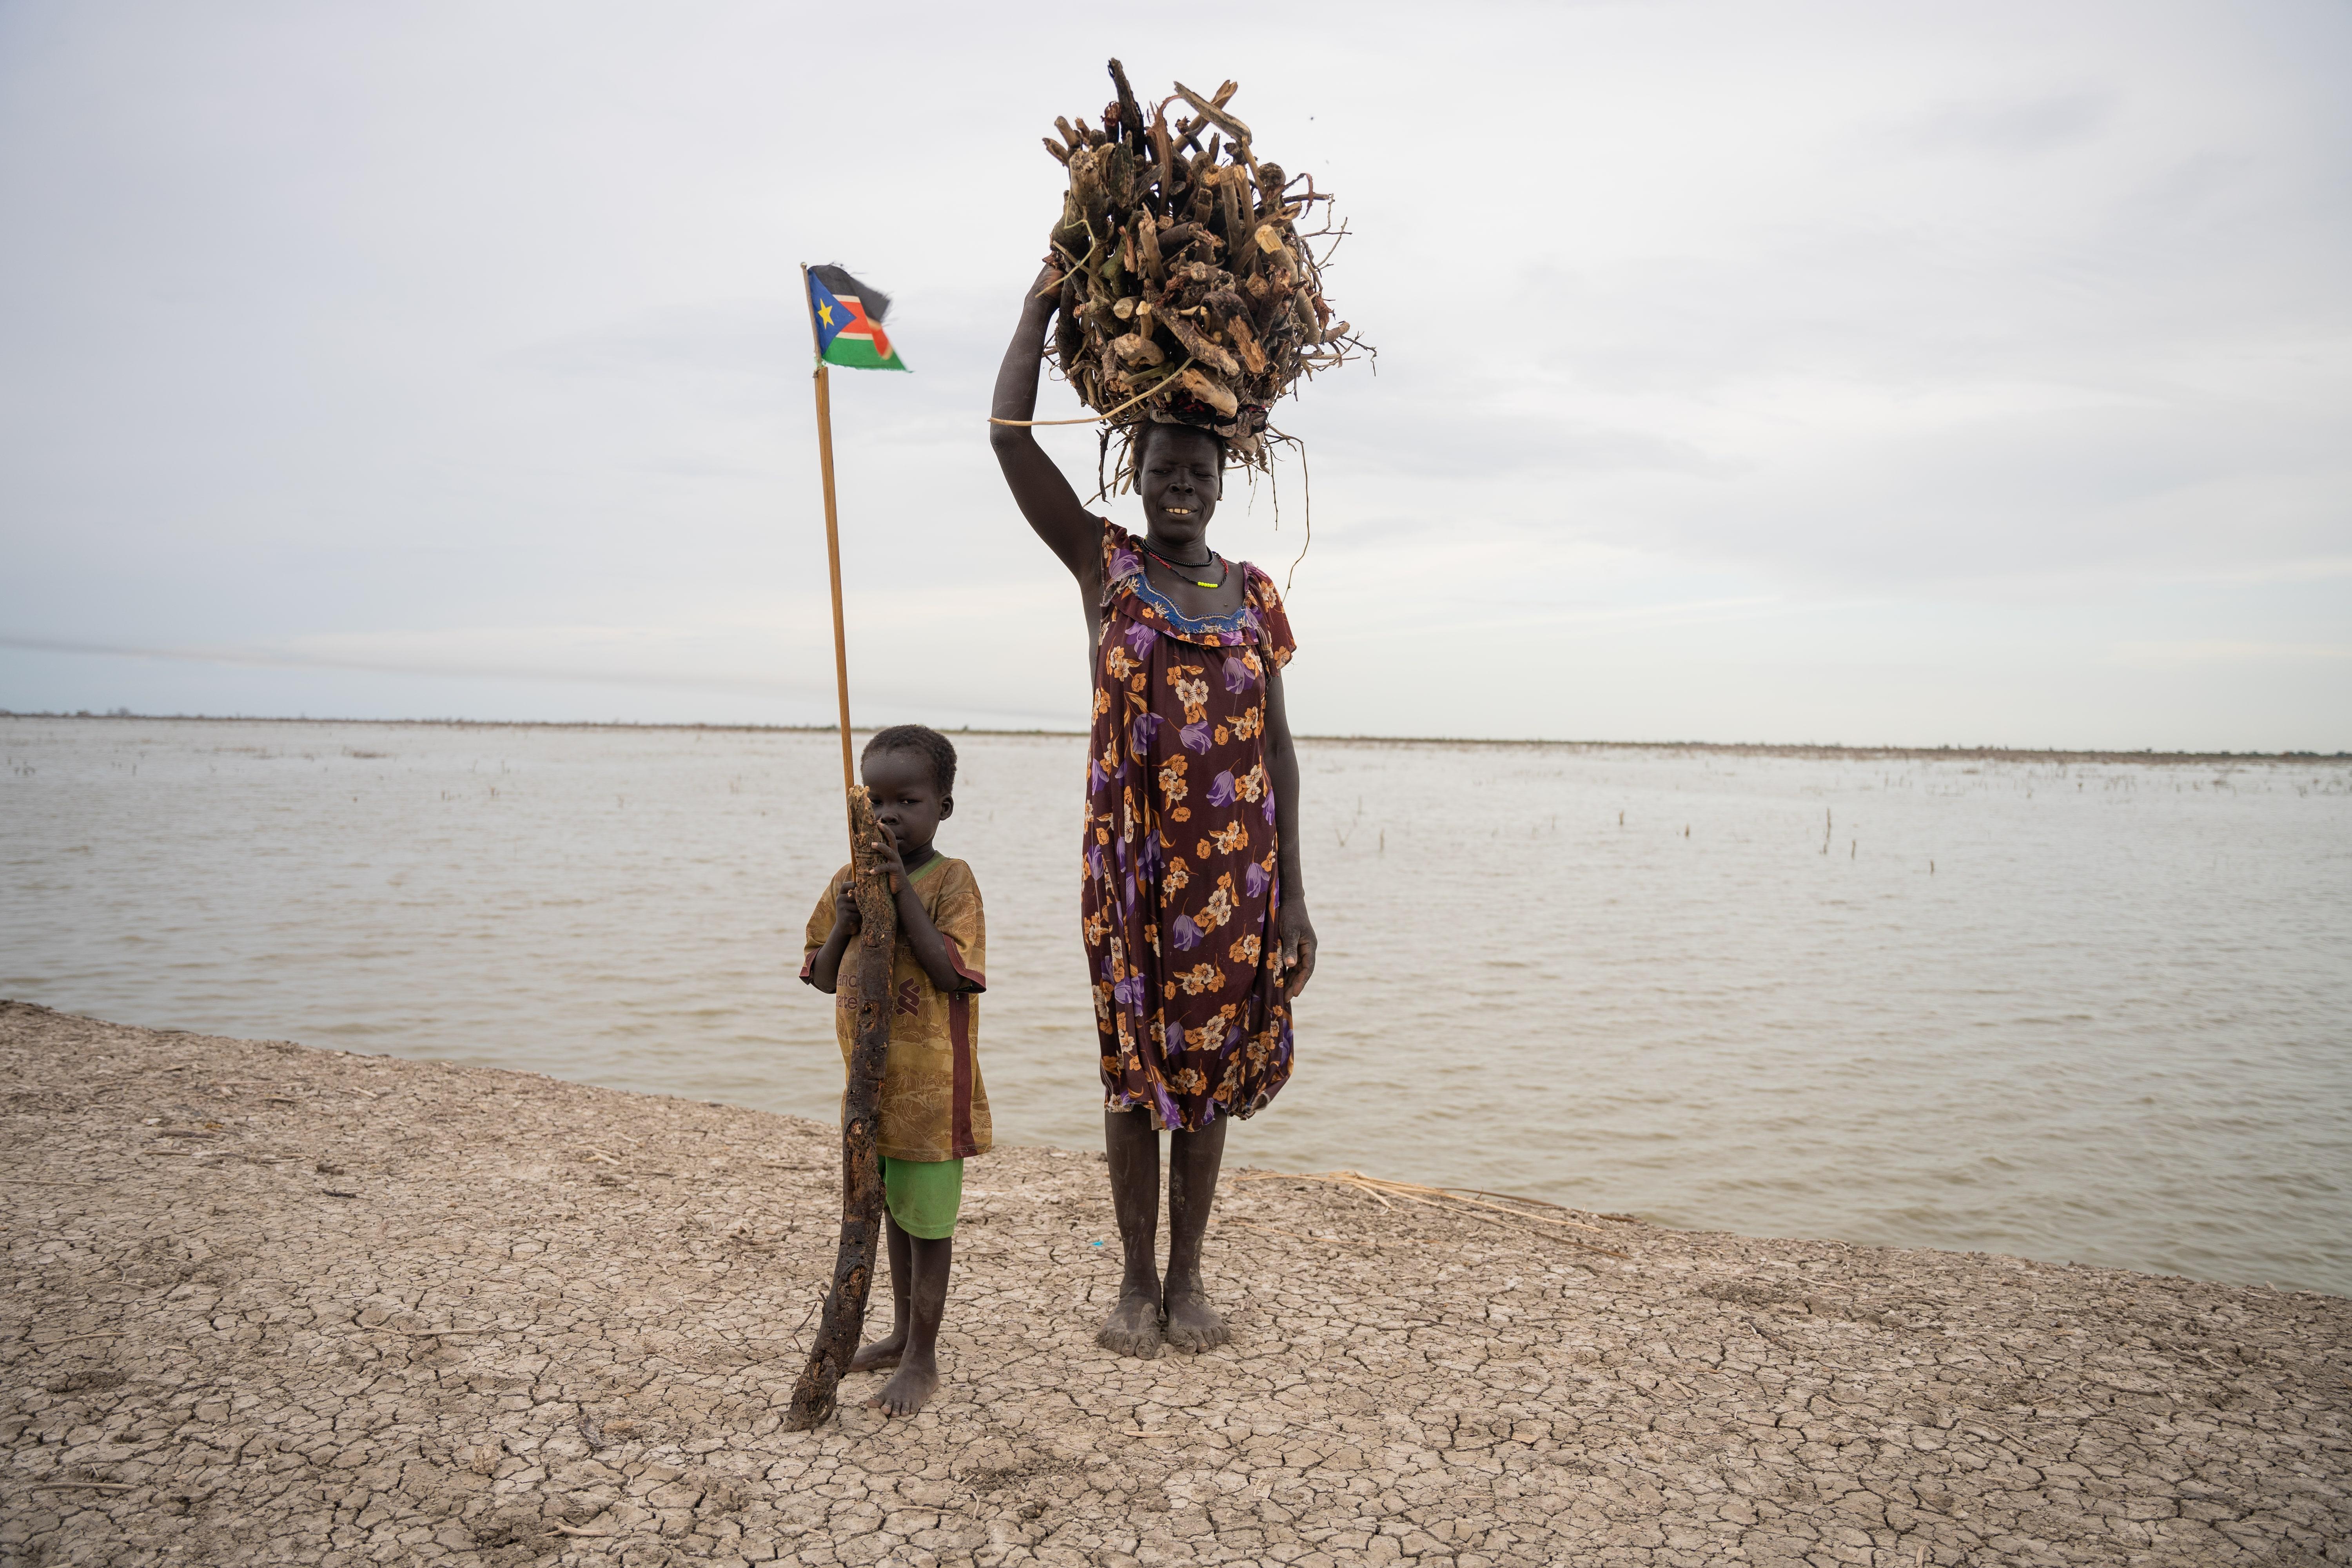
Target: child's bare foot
(880, 1353)
(1193, 1324)
(908, 1391)
(1133, 1327)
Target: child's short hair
(924, 740)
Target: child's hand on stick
(846, 917)
(887, 861)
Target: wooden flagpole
(832, 549)
(843, 1319)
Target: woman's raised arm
(1045, 498)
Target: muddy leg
(1133, 1328)
(885, 1351)
(1194, 1161)
(929, 1262)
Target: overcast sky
(1866, 373)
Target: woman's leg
(1194, 1161)
(1133, 1328)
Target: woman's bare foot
(880, 1353)
(1193, 1324)
(1133, 1327)
(908, 1391)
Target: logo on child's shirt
(910, 997)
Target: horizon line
(1948, 752)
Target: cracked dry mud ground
(270, 1304)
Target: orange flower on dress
(1192, 693)
(1231, 837)
(1249, 723)
(1232, 1080)
(1245, 951)
(1200, 977)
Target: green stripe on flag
(858, 354)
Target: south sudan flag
(848, 317)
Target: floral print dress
(1181, 851)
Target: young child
(932, 1113)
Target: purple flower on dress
(1094, 859)
(1255, 881)
(1129, 991)
(1123, 563)
(1094, 777)
(1139, 734)
(1187, 935)
(1140, 638)
(1195, 737)
(1221, 790)
(1238, 678)
(1146, 855)
(1129, 898)
(1175, 1039)
(1269, 808)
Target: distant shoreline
(1803, 749)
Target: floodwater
(2098, 1011)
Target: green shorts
(924, 1195)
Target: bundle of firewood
(1189, 295)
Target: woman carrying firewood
(1195, 922)
(1189, 303)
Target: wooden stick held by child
(861, 1165)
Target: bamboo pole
(843, 1319)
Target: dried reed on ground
(1189, 295)
(1441, 1198)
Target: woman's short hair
(1144, 434)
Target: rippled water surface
(1722, 990)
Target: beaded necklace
(1188, 567)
